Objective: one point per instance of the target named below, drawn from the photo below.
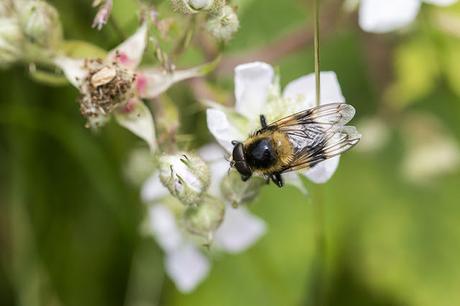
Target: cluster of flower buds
(222, 20)
(187, 178)
(29, 31)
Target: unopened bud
(188, 7)
(10, 41)
(41, 24)
(238, 192)
(223, 24)
(140, 165)
(204, 219)
(186, 176)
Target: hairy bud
(10, 41)
(238, 192)
(204, 219)
(188, 7)
(186, 176)
(223, 24)
(41, 24)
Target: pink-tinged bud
(103, 14)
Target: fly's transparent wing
(332, 143)
(318, 133)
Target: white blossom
(380, 16)
(257, 92)
(185, 262)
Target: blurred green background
(69, 220)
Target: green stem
(317, 51)
(319, 270)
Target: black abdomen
(261, 154)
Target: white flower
(115, 85)
(256, 93)
(376, 134)
(380, 16)
(431, 151)
(185, 263)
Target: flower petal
(252, 83)
(187, 267)
(441, 2)
(239, 230)
(162, 224)
(293, 179)
(73, 69)
(302, 91)
(153, 189)
(129, 53)
(222, 129)
(137, 118)
(384, 16)
(323, 171)
(151, 82)
(215, 157)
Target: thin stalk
(318, 294)
(317, 52)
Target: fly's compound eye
(239, 160)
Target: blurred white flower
(257, 92)
(185, 262)
(380, 16)
(431, 151)
(375, 133)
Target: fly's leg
(244, 178)
(263, 121)
(277, 179)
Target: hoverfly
(298, 141)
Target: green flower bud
(238, 192)
(186, 176)
(223, 24)
(188, 7)
(140, 166)
(204, 219)
(41, 24)
(10, 41)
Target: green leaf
(416, 72)
(82, 49)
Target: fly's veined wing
(318, 133)
(333, 114)
(334, 141)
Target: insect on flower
(298, 141)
